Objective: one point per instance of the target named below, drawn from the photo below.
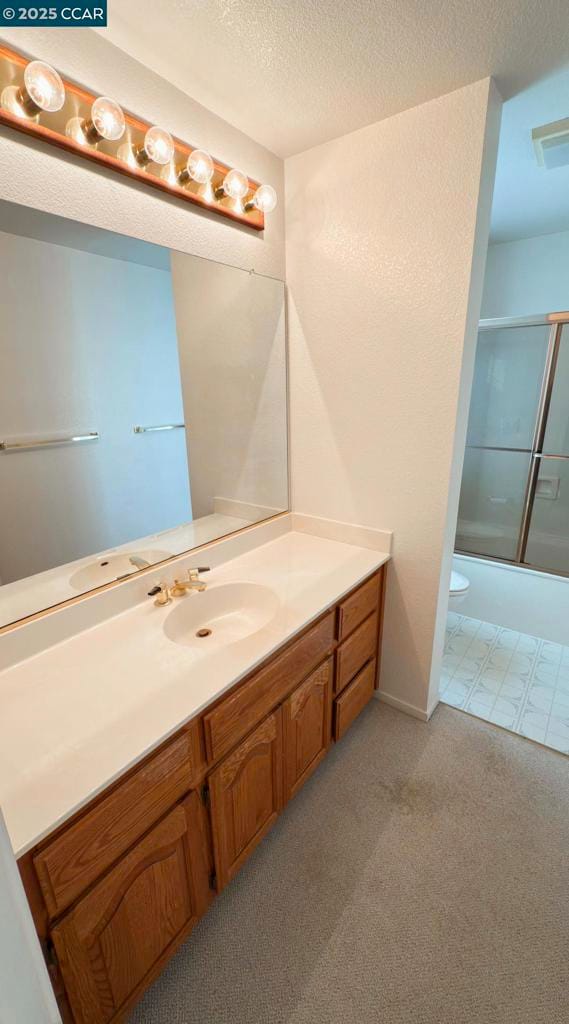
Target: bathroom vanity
(121, 883)
(145, 751)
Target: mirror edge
(9, 627)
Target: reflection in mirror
(142, 406)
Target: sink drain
(203, 632)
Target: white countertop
(78, 715)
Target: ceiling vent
(551, 144)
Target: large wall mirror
(143, 406)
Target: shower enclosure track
(556, 322)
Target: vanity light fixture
(158, 147)
(264, 199)
(235, 184)
(106, 122)
(199, 167)
(36, 101)
(42, 89)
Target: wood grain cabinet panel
(246, 796)
(355, 651)
(355, 608)
(67, 865)
(307, 728)
(353, 699)
(238, 713)
(119, 886)
(113, 942)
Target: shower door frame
(555, 322)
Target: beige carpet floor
(420, 877)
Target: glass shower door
(509, 371)
(547, 544)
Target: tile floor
(514, 680)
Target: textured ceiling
(294, 73)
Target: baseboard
(402, 705)
(433, 707)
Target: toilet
(459, 587)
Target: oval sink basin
(223, 614)
(112, 567)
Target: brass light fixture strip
(50, 128)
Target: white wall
(231, 338)
(521, 599)
(528, 276)
(26, 996)
(96, 349)
(385, 229)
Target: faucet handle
(163, 594)
(194, 573)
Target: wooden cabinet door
(246, 796)
(307, 717)
(115, 939)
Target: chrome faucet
(193, 582)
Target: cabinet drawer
(358, 606)
(354, 699)
(240, 712)
(354, 652)
(68, 865)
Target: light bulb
(200, 166)
(107, 121)
(42, 89)
(264, 199)
(158, 146)
(44, 86)
(235, 184)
